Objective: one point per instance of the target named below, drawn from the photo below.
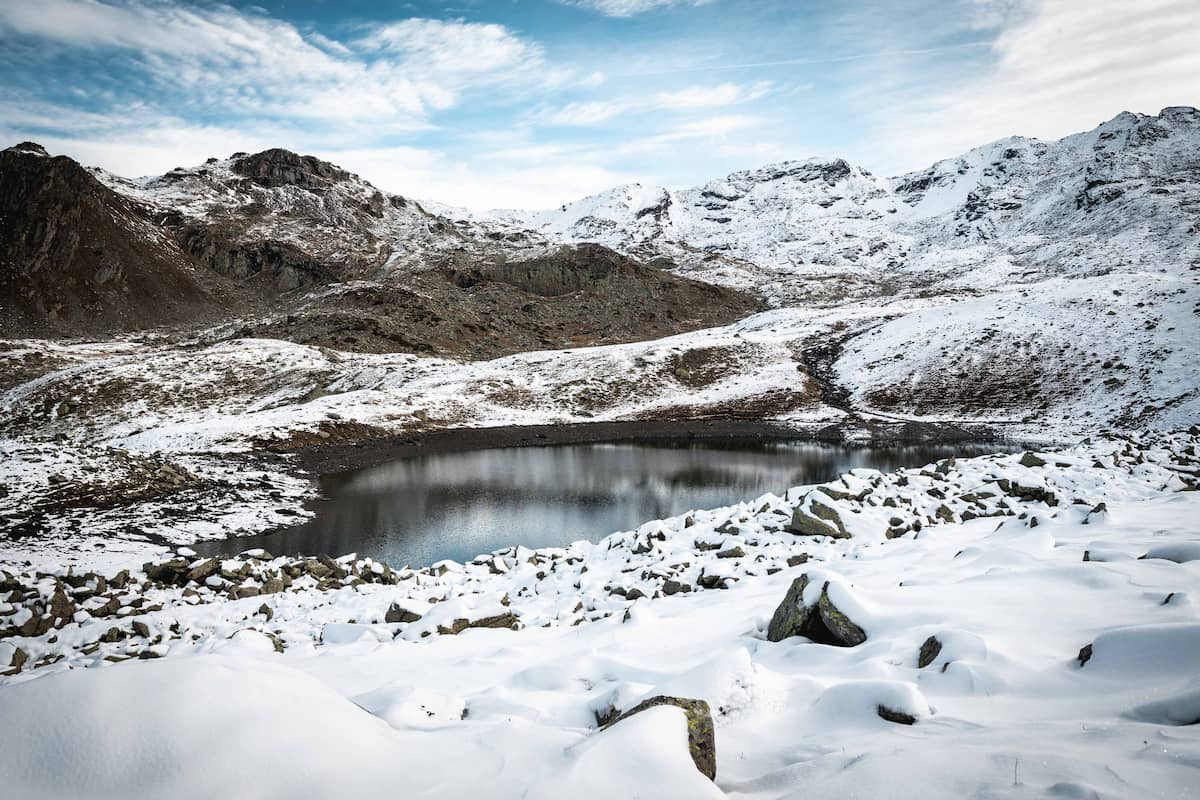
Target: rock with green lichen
(702, 740)
(818, 516)
(821, 621)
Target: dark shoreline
(328, 459)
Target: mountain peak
(278, 167)
(30, 148)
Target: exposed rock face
(278, 167)
(272, 265)
(565, 270)
(702, 740)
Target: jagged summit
(279, 167)
(29, 148)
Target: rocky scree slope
(76, 256)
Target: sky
(534, 103)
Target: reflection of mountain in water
(458, 505)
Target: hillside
(1122, 197)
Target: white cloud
(724, 94)
(588, 113)
(248, 63)
(628, 8)
(1059, 67)
(596, 112)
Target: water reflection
(457, 505)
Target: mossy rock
(845, 632)
(702, 740)
(788, 619)
(822, 622)
(819, 519)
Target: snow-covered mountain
(1126, 194)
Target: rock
(733, 552)
(458, 626)
(929, 651)
(397, 613)
(845, 632)
(273, 585)
(821, 518)
(892, 715)
(120, 580)
(789, 618)
(506, 620)
(1085, 654)
(61, 606)
(797, 560)
(203, 570)
(141, 629)
(266, 611)
(1030, 460)
(634, 594)
(108, 609)
(168, 572)
(702, 740)
(18, 660)
(671, 586)
(112, 635)
(822, 622)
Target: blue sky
(531, 103)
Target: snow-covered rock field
(1023, 626)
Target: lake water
(423, 509)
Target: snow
(1044, 289)
(1009, 708)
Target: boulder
(702, 740)
(821, 621)
(929, 651)
(817, 516)
(397, 613)
(892, 715)
(1030, 460)
(201, 571)
(671, 587)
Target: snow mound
(102, 733)
(865, 703)
(1166, 650)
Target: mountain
(1124, 194)
(78, 256)
(288, 246)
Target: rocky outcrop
(277, 167)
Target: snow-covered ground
(1060, 588)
